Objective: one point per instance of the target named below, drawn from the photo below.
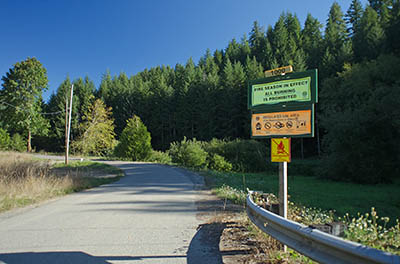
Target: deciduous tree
(22, 90)
(97, 131)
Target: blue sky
(89, 37)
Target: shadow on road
(204, 247)
(76, 257)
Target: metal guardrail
(315, 244)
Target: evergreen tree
(382, 8)
(337, 50)
(393, 30)
(369, 37)
(245, 49)
(353, 16)
(135, 141)
(232, 52)
(311, 39)
(280, 42)
(104, 91)
(257, 42)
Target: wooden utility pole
(68, 129)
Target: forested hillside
(357, 55)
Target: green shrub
(215, 146)
(244, 155)
(159, 157)
(188, 153)
(218, 163)
(18, 143)
(135, 141)
(5, 141)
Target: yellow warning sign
(280, 150)
(281, 123)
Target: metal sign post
(283, 194)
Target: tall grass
(25, 181)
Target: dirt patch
(229, 231)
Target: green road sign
(290, 89)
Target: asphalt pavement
(149, 216)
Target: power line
(27, 110)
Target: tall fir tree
(337, 48)
(353, 16)
(311, 39)
(257, 42)
(280, 42)
(369, 37)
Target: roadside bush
(215, 146)
(244, 155)
(159, 157)
(135, 141)
(218, 163)
(5, 140)
(188, 153)
(18, 143)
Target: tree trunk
(29, 141)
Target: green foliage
(371, 230)
(18, 143)
(188, 153)
(244, 155)
(314, 192)
(361, 116)
(208, 99)
(22, 90)
(135, 141)
(5, 140)
(366, 228)
(218, 163)
(369, 37)
(159, 157)
(232, 194)
(97, 131)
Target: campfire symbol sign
(280, 150)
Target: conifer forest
(356, 53)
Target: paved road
(147, 217)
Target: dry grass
(25, 181)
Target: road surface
(149, 216)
